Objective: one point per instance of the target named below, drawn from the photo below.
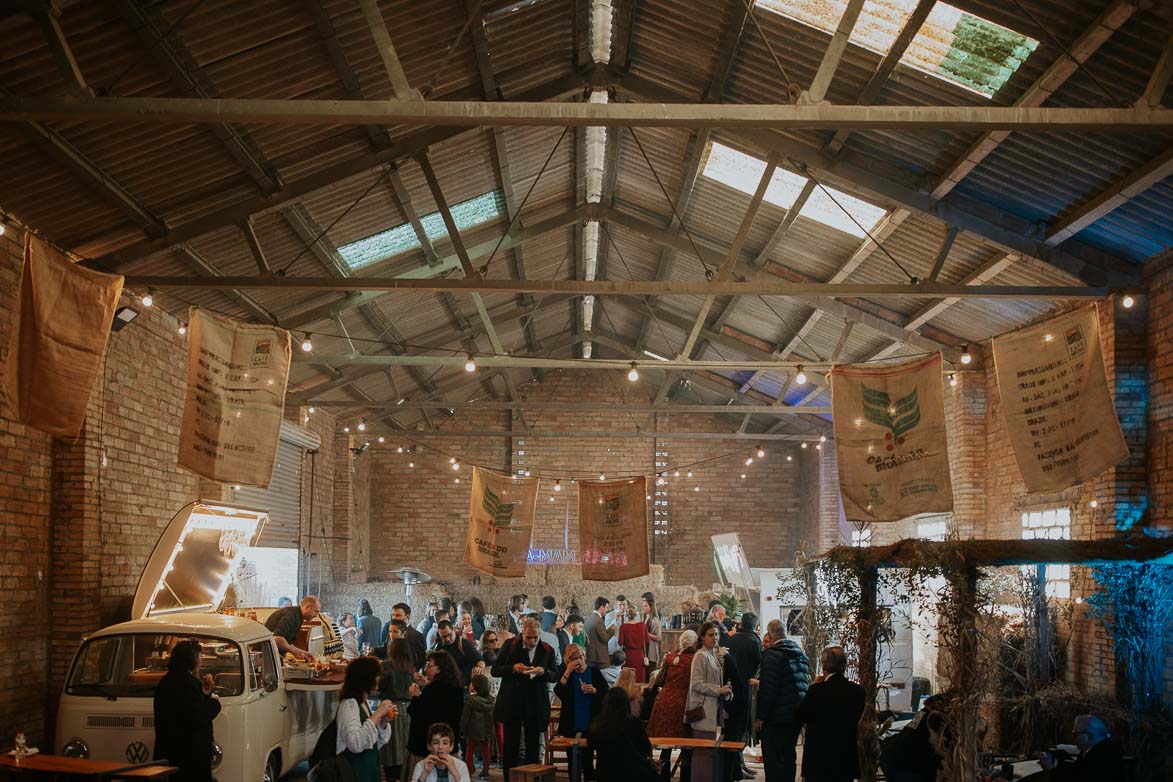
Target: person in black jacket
(419, 646)
(831, 711)
(464, 652)
(526, 668)
(1099, 757)
(620, 743)
(580, 689)
(440, 700)
(785, 676)
(184, 710)
(745, 649)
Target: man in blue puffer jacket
(784, 678)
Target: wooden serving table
(60, 766)
(332, 680)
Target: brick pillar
(833, 531)
(965, 418)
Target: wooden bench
(563, 744)
(535, 772)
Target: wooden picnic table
(58, 765)
(566, 744)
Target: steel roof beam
(463, 113)
(387, 54)
(476, 286)
(200, 265)
(833, 54)
(578, 407)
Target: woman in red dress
(673, 679)
(633, 639)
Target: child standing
(441, 764)
(477, 723)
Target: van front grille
(110, 721)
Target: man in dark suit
(526, 669)
(831, 711)
(1099, 757)
(184, 710)
(598, 634)
(464, 652)
(415, 639)
(549, 616)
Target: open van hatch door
(192, 564)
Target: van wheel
(270, 769)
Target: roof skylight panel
(953, 45)
(743, 172)
(402, 238)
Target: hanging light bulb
(761, 452)
(452, 460)
(182, 329)
(1127, 301)
(800, 378)
(411, 464)
(346, 429)
(633, 373)
(399, 449)
(382, 439)
(953, 380)
(312, 410)
(362, 425)
(804, 445)
(743, 476)
(822, 438)
(557, 485)
(819, 447)
(789, 458)
(456, 465)
(148, 299)
(456, 480)
(966, 358)
(602, 477)
(470, 365)
(690, 473)
(1094, 503)
(696, 488)
(676, 474)
(307, 344)
(748, 461)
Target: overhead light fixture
(557, 486)
(804, 445)
(312, 410)
(690, 473)
(382, 439)
(743, 476)
(1094, 503)
(800, 378)
(362, 425)
(602, 477)
(470, 365)
(411, 464)
(148, 299)
(953, 380)
(346, 429)
(822, 438)
(633, 373)
(1127, 302)
(452, 460)
(748, 461)
(676, 474)
(789, 458)
(399, 449)
(3, 226)
(966, 358)
(696, 488)
(122, 316)
(456, 480)
(456, 465)
(307, 344)
(182, 329)
(761, 452)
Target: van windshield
(131, 665)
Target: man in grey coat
(598, 634)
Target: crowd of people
(423, 702)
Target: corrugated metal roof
(273, 49)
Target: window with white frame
(1051, 524)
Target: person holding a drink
(580, 688)
(361, 730)
(441, 764)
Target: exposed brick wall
(25, 540)
(320, 557)
(352, 509)
(767, 508)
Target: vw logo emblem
(137, 752)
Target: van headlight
(76, 748)
(217, 755)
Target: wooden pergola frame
(969, 556)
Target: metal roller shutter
(283, 497)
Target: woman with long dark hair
(395, 686)
(707, 691)
(362, 732)
(620, 743)
(652, 620)
(480, 619)
(440, 699)
(184, 710)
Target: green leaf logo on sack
(899, 417)
(502, 512)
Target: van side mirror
(270, 682)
